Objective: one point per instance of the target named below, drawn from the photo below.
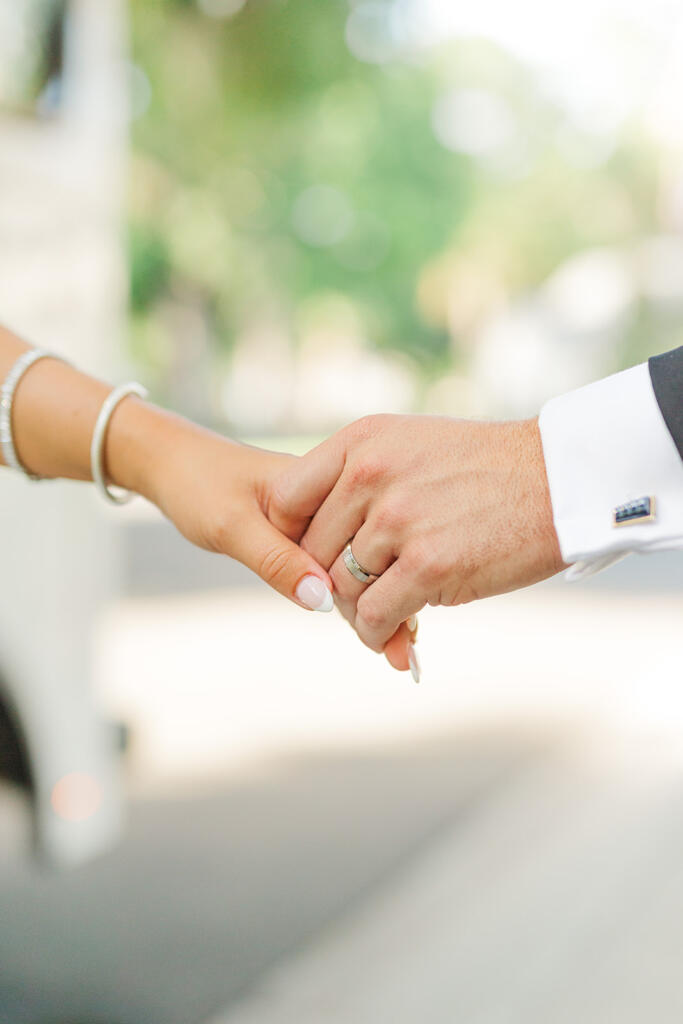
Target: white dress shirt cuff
(606, 445)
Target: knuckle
(368, 639)
(273, 564)
(413, 556)
(421, 561)
(465, 592)
(391, 517)
(217, 535)
(365, 427)
(278, 499)
(370, 615)
(366, 471)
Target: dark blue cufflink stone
(639, 511)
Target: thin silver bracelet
(7, 392)
(99, 436)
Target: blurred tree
(276, 165)
(272, 165)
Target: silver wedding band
(355, 568)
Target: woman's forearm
(54, 412)
(216, 491)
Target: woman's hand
(216, 492)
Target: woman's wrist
(53, 416)
(54, 413)
(140, 444)
(149, 450)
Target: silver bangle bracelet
(99, 436)
(7, 393)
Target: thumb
(284, 566)
(300, 491)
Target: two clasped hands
(392, 512)
(389, 514)
(435, 510)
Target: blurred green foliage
(150, 266)
(247, 113)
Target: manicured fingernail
(314, 594)
(414, 663)
(412, 623)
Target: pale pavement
(315, 836)
(221, 683)
(561, 901)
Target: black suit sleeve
(666, 372)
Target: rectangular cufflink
(642, 510)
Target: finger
(314, 490)
(373, 551)
(396, 649)
(347, 609)
(291, 524)
(283, 565)
(338, 519)
(388, 602)
(300, 491)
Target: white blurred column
(62, 286)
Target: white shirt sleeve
(606, 445)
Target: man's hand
(444, 511)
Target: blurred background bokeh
(282, 215)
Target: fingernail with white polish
(314, 594)
(414, 663)
(412, 623)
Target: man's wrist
(540, 491)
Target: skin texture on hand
(216, 492)
(447, 511)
